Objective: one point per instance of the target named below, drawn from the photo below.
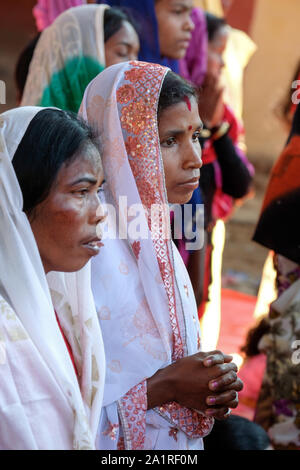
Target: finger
(213, 360)
(220, 413)
(214, 357)
(222, 399)
(222, 369)
(224, 415)
(233, 404)
(228, 358)
(223, 381)
(219, 370)
(229, 404)
(217, 357)
(237, 385)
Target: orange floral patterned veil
(137, 282)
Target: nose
(133, 56)
(193, 159)
(97, 210)
(189, 24)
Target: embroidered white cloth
(42, 405)
(143, 295)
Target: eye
(100, 191)
(196, 136)
(102, 186)
(122, 51)
(122, 54)
(178, 11)
(169, 142)
(82, 192)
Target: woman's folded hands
(205, 381)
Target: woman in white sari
(156, 377)
(51, 349)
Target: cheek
(110, 57)
(67, 222)
(166, 31)
(170, 167)
(211, 63)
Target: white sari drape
(42, 405)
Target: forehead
(126, 33)
(180, 115)
(172, 3)
(87, 160)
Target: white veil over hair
(42, 403)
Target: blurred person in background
(165, 28)
(87, 39)
(278, 409)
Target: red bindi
(190, 128)
(188, 103)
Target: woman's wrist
(159, 388)
(215, 132)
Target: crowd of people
(101, 302)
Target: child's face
(175, 26)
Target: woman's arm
(236, 179)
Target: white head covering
(146, 321)
(53, 414)
(78, 34)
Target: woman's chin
(181, 199)
(71, 266)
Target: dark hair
(22, 65)
(173, 91)
(53, 137)
(236, 433)
(213, 24)
(253, 337)
(114, 19)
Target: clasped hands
(206, 382)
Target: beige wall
(275, 30)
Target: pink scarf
(45, 11)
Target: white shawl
(42, 406)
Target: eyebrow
(182, 5)
(84, 179)
(123, 43)
(180, 131)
